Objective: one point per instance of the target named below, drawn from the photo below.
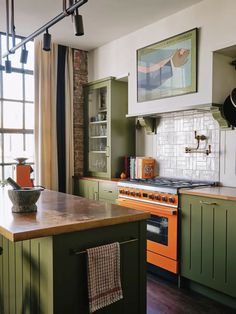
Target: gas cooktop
(164, 183)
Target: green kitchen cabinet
(207, 239)
(106, 191)
(44, 276)
(88, 189)
(109, 135)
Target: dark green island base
(42, 275)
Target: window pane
(29, 147)
(8, 172)
(0, 150)
(3, 46)
(12, 86)
(13, 147)
(29, 87)
(0, 113)
(29, 116)
(12, 115)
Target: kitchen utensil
(229, 108)
(24, 200)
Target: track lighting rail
(46, 26)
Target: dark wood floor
(165, 298)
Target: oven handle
(169, 212)
(153, 210)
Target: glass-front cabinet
(97, 132)
(109, 134)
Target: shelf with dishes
(98, 122)
(98, 151)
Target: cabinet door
(108, 191)
(88, 189)
(98, 129)
(207, 240)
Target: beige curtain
(46, 154)
(46, 169)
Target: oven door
(161, 227)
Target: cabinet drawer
(108, 190)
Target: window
(16, 109)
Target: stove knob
(164, 198)
(171, 199)
(157, 197)
(151, 196)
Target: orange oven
(161, 231)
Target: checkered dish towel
(104, 285)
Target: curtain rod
(49, 24)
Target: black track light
(78, 24)
(46, 41)
(8, 66)
(24, 55)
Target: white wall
(217, 24)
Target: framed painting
(168, 68)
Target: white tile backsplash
(175, 131)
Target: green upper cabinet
(208, 235)
(109, 135)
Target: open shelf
(98, 122)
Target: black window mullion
(23, 102)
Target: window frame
(23, 101)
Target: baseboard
(208, 292)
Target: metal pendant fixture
(24, 55)
(46, 41)
(71, 10)
(78, 23)
(8, 66)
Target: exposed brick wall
(80, 78)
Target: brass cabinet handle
(208, 203)
(1, 250)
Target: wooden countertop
(219, 192)
(61, 213)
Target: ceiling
(104, 20)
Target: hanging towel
(104, 284)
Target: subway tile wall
(175, 131)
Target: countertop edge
(73, 227)
(201, 192)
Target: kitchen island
(42, 269)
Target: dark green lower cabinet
(42, 276)
(208, 242)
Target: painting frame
(168, 68)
